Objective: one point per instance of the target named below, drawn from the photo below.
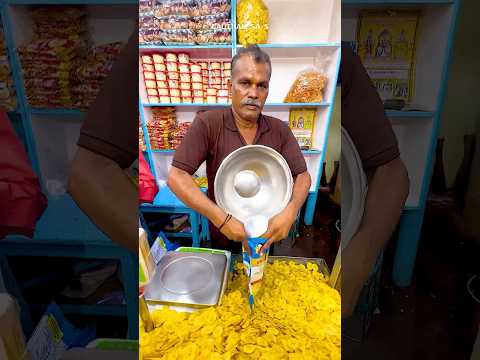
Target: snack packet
(254, 265)
(309, 86)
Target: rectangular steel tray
(188, 279)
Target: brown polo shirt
(214, 134)
(363, 115)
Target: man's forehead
(246, 66)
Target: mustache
(251, 102)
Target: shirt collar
(263, 124)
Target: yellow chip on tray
(298, 317)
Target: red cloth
(147, 186)
(21, 200)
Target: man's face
(249, 88)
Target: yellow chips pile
(252, 22)
(297, 317)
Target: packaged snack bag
(254, 267)
(252, 19)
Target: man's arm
(103, 191)
(279, 226)
(182, 184)
(386, 196)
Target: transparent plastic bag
(174, 7)
(210, 7)
(308, 87)
(212, 22)
(213, 36)
(182, 36)
(252, 20)
(175, 22)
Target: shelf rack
(416, 131)
(50, 139)
(293, 46)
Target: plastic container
(185, 86)
(195, 68)
(160, 67)
(158, 58)
(160, 76)
(162, 84)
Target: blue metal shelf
(70, 2)
(190, 47)
(90, 310)
(178, 234)
(186, 105)
(166, 151)
(56, 112)
(171, 151)
(409, 114)
(395, 2)
(296, 45)
(317, 104)
(312, 152)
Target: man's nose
(253, 92)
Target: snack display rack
(293, 45)
(50, 137)
(416, 130)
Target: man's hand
(234, 230)
(278, 227)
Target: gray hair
(256, 54)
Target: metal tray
(322, 265)
(192, 279)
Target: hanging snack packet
(254, 266)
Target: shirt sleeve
(363, 115)
(111, 124)
(291, 151)
(193, 149)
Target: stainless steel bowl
(354, 189)
(253, 181)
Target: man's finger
(266, 246)
(245, 246)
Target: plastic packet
(254, 266)
(209, 7)
(175, 22)
(252, 20)
(212, 22)
(213, 36)
(308, 87)
(145, 5)
(178, 36)
(174, 7)
(54, 335)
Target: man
(108, 144)
(364, 118)
(215, 134)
